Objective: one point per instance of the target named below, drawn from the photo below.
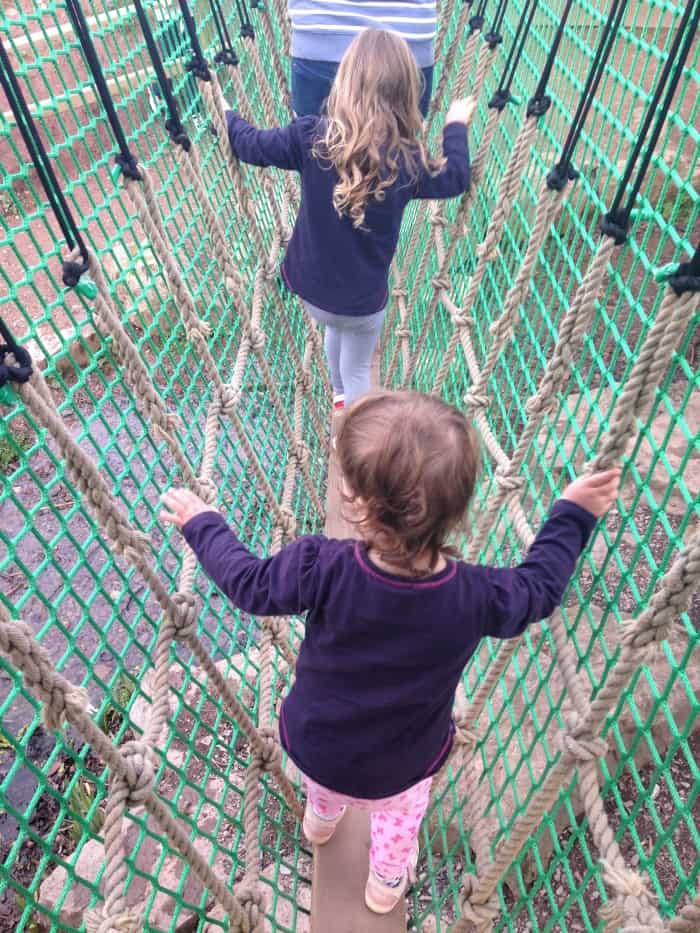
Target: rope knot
(287, 522)
(299, 452)
(269, 752)
(461, 319)
(439, 220)
(537, 405)
(257, 340)
(140, 773)
(230, 398)
(464, 736)
(507, 481)
(482, 916)
(624, 881)
(187, 617)
(440, 283)
(305, 382)
(400, 293)
(487, 251)
(96, 922)
(207, 491)
(579, 743)
(252, 906)
(403, 333)
(475, 400)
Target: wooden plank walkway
(340, 867)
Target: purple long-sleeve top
(328, 262)
(370, 711)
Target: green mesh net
(98, 620)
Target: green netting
(99, 622)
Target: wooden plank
(341, 866)
(338, 888)
(336, 526)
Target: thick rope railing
(132, 769)
(581, 748)
(581, 743)
(180, 622)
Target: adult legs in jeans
(395, 823)
(312, 80)
(350, 342)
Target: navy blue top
(330, 263)
(370, 711)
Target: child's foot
(382, 896)
(338, 401)
(318, 829)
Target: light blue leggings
(350, 343)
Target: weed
(12, 446)
(80, 803)
(121, 695)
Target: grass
(11, 447)
(122, 692)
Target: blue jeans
(350, 342)
(311, 85)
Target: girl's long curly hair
(373, 122)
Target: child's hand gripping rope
(182, 505)
(595, 493)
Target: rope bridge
(229, 394)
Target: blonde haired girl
(360, 164)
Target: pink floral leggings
(395, 822)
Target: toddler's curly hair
(410, 463)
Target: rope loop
(252, 905)
(187, 617)
(578, 743)
(482, 916)
(140, 777)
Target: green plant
(11, 446)
(120, 696)
(80, 804)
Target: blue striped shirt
(323, 29)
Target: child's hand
(461, 111)
(595, 493)
(182, 505)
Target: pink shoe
(338, 402)
(317, 829)
(381, 897)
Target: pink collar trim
(410, 583)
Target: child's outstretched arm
(455, 176)
(281, 585)
(281, 147)
(532, 591)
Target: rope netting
(571, 799)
